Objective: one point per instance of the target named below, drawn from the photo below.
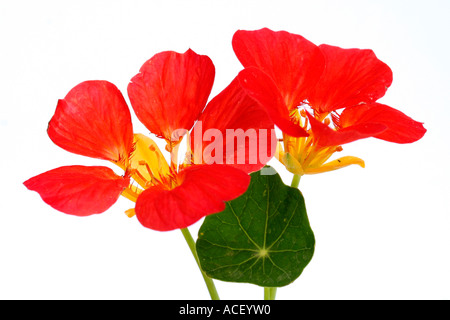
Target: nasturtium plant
(263, 237)
(255, 228)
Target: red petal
(203, 191)
(79, 190)
(400, 127)
(233, 113)
(93, 120)
(171, 91)
(351, 77)
(294, 63)
(262, 89)
(325, 136)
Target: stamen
(130, 213)
(143, 181)
(153, 179)
(130, 194)
(295, 116)
(305, 125)
(149, 170)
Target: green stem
(271, 292)
(295, 181)
(208, 281)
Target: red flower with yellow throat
(321, 97)
(169, 96)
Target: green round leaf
(262, 237)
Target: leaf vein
(242, 228)
(285, 228)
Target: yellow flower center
(303, 156)
(147, 167)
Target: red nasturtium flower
(170, 93)
(321, 97)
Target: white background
(382, 232)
